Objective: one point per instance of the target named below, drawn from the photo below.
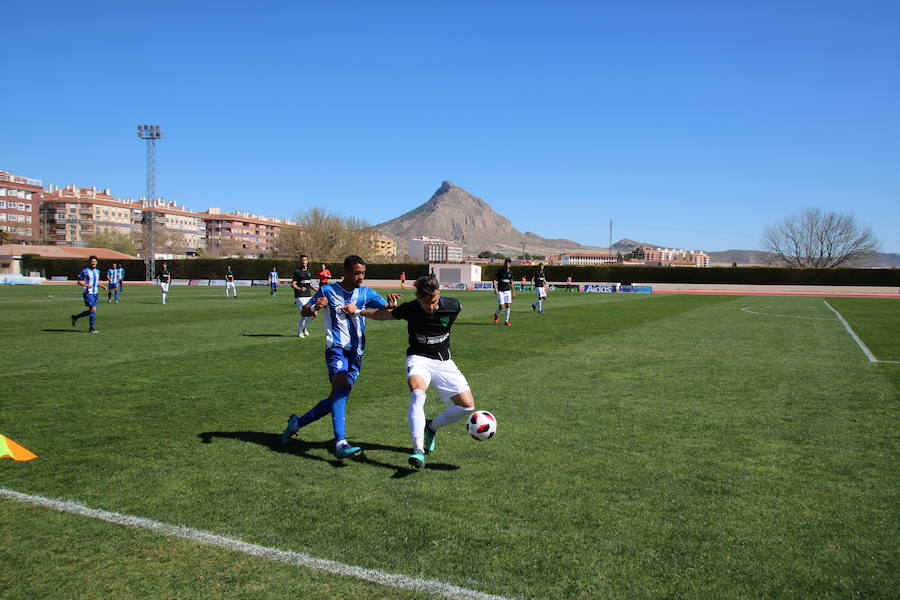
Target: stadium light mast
(150, 133)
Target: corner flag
(13, 450)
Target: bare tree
(113, 240)
(4, 236)
(325, 237)
(814, 238)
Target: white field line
(852, 333)
(299, 559)
(753, 312)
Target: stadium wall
(253, 268)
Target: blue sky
(689, 124)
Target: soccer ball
(482, 425)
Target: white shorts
(504, 297)
(229, 284)
(164, 287)
(302, 301)
(541, 292)
(444, 375)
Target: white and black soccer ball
(482, 425)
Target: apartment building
(19, 203)
(435, 250)
(383, 245)
(187, 227)
(241, 233)
(671, 256)
(70, 216)
(583, 259)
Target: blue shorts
(341, 360)
(90, 300)
(274, 286)
(113, 286)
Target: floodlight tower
(150, 133)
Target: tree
(814, 238)
(120, 242)
(4, 236)
(325, 237)
(165, 241)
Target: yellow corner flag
(13, 450)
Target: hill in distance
(454, 214)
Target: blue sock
(83, 313)
(316, 412)
(117, 295)
(93, 319)
(339, 414)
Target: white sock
(507, 315)
(340, 444)
(164, 298)
(451, 414)
(540, 304)
(416, 414)
(301, 324)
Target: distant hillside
(454, 214)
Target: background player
(301, 282)
(429, 319)
(89, 279)
(540, 288)
(324, 275)
(345, 341)
(164, 278)
(229, 281)
(112, 277)
(273, 282)
(121, 279)
(503, 287)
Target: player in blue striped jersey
(273, 282)
(89, 279)
(121, 279)
(112, 276)
(345, 342)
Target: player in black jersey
(164, 278)
(540, 288)
(429, 318)
(301, 283)
(503, 287)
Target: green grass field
(649, 447)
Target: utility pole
(150, 133)
(610, 236)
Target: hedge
(213, 268)
(739, 275)
(258, 268)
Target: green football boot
(429, 438)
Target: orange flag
(13, 450)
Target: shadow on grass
(302, 448)
(63, 330)
(265, 335)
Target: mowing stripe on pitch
(299, 559)
(852, 333)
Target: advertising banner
(636, 289)
(453, 286)
(482, 285)
(605, 288)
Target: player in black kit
(503, 287)
(301, 282)
(540, 288)
(429, 318)
(165, 278)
